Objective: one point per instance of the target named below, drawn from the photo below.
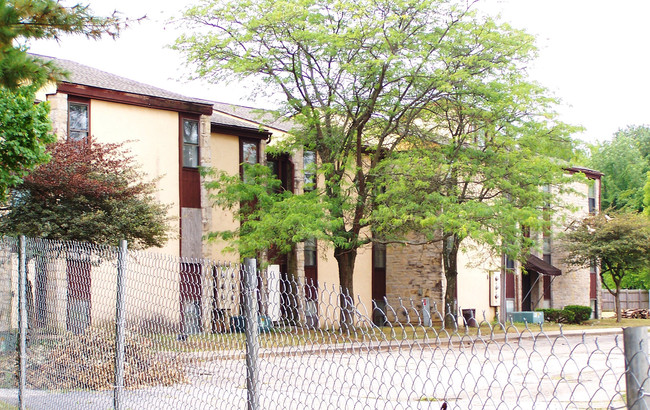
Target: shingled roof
(84, 75)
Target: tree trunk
(451, 244)
(346, 259)
(617, 304)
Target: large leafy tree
(25, 132)
(483, 176)
(88, 192)
(24, 20)
(625, 161)
(363, 79)
(619, 243)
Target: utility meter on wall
(495, 288)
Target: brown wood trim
(589, 173)
(135, 99)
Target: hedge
(573, 314)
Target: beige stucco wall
(151, 136)
(224, 156)
(475, 263)
(153, 141)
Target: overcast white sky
(594, 55)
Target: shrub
(582, 313)
(570, 314)
(552, 315)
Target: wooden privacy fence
(630, 299)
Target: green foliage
(419, 112)
(637, 279)
(646, 196)
(619, 243)
(553, 315)
(571, 314)
(23, 20)
(271, 217)
(24, 133)
(581, 313)
(88, 192)
(625, 161)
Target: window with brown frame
(78, 119)
(591, 197)
(190, 143)
(249, 153)
(309, 169)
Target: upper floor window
(546, 248)
(249, 154)
(547, 196)
(78, 121)
(591, 195)
(190, 143)
(309, 168)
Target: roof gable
(94, 83)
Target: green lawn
(290, 336)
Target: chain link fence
(108, 327)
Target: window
(546, 248)
(309, 168)
(78, 121)
(591, 195)
(379, 255)
(190, 143)
(310, 252)
(547, 196)
(249, 155)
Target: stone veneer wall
(59, 114)
(572, 287)
(413, 273)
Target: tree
(619, 243)
(24, 133)
(625, 161)
(88, 192)
(23, 125)
(23, 20)
(484, 179)
(360, 78)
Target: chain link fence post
(119, 326)
(635, 343)
(22, 327)
(251, 310)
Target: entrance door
(528, 280)
(379, 284)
